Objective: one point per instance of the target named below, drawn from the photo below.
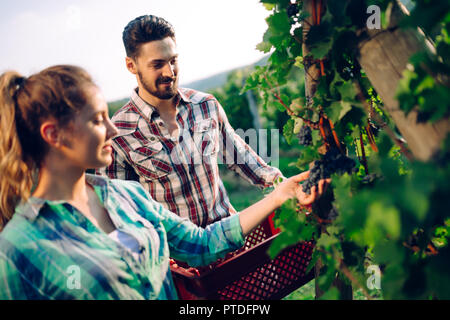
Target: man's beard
(163, 94)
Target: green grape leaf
(382, 220)
(347, 91)
(288, 130)
(264, 46)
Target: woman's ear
(51, 133)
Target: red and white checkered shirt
(181, 171)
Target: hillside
(219, 79)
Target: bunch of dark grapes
(333, 214)
(292, 10)
(332, 162)
(370, 179)
(304, 136)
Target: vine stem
(310, 123)
(355, 142)
(346, 271)
(380, 122)
(310, 75)
(371, 138)
(297, 39)
(363, 153)
(309, 24)
(290, 112)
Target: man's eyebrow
(156, 61)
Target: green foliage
(236, 105)
(426, 82)
(397, 216)
(114, 106)
(293, 226)
(419, 87)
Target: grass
(306, 292)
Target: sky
(212, 36)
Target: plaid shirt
(181, 171)
(49, 250)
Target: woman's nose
(112, 130)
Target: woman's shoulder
(18, 234)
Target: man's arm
(241, 158)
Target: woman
(71, 235)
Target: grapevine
(386, 205)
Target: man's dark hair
(144, 29)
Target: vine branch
(362, 98)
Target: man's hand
(290, 188)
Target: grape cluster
(304, 136)
(370, 179)
(292, 10)
(333, 214)
(332, 162)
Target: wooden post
(384, 57)
(312, 71)
(312, 75)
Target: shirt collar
(183, 96)
(148, 110)
(31, 208)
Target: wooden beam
(384, 57)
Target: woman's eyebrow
(97, 112)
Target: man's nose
(169, 70)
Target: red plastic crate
(249, 273)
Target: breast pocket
(206, 137)
(150, 159)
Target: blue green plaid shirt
(49, 250)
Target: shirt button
(152, 138)
(161, 124)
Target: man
(170, 137)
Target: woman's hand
(290, 188)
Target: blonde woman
(70, 235)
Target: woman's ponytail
(16, 175)
(58, 92)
